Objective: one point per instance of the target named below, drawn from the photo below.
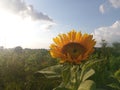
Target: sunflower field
(72, 63)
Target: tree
(18, 49)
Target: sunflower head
(72, 47)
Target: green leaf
(61, 88)
(66, 75)
(46, 72)
(100, 89)
(88, 74)
(86, 66)
(87, 85)
(51, 72)
(117, 75)
(114, 85)
(89, 63)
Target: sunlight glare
(14, 30)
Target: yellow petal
(70, 43)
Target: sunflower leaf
(51, 72)
(89, 63)
(87, 85)
(61, 88)
(88, 74)
(86, 66)
(66, 75)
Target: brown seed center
(73, 49)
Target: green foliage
(73, 76)
(110, 57)
(61, 88)
(87, 85)
(51, 72)
(23, 69)
(116, 77)
(18, 67)
(88, 74)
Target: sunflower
(72, 47)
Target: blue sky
(33, 23)
(78, 14)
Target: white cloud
(115, 3)
(20, 7)
(21, 25)
(106, 6)
(109, 33)
(102, 8)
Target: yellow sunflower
(72, 47)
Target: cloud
(22, 25)
(20, 7)
(102, 8)
(106, 6)
(15, 31)
(115, 3)
(109, 33)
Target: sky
(34, 23)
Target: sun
(13, 28)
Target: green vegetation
(19, 68)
